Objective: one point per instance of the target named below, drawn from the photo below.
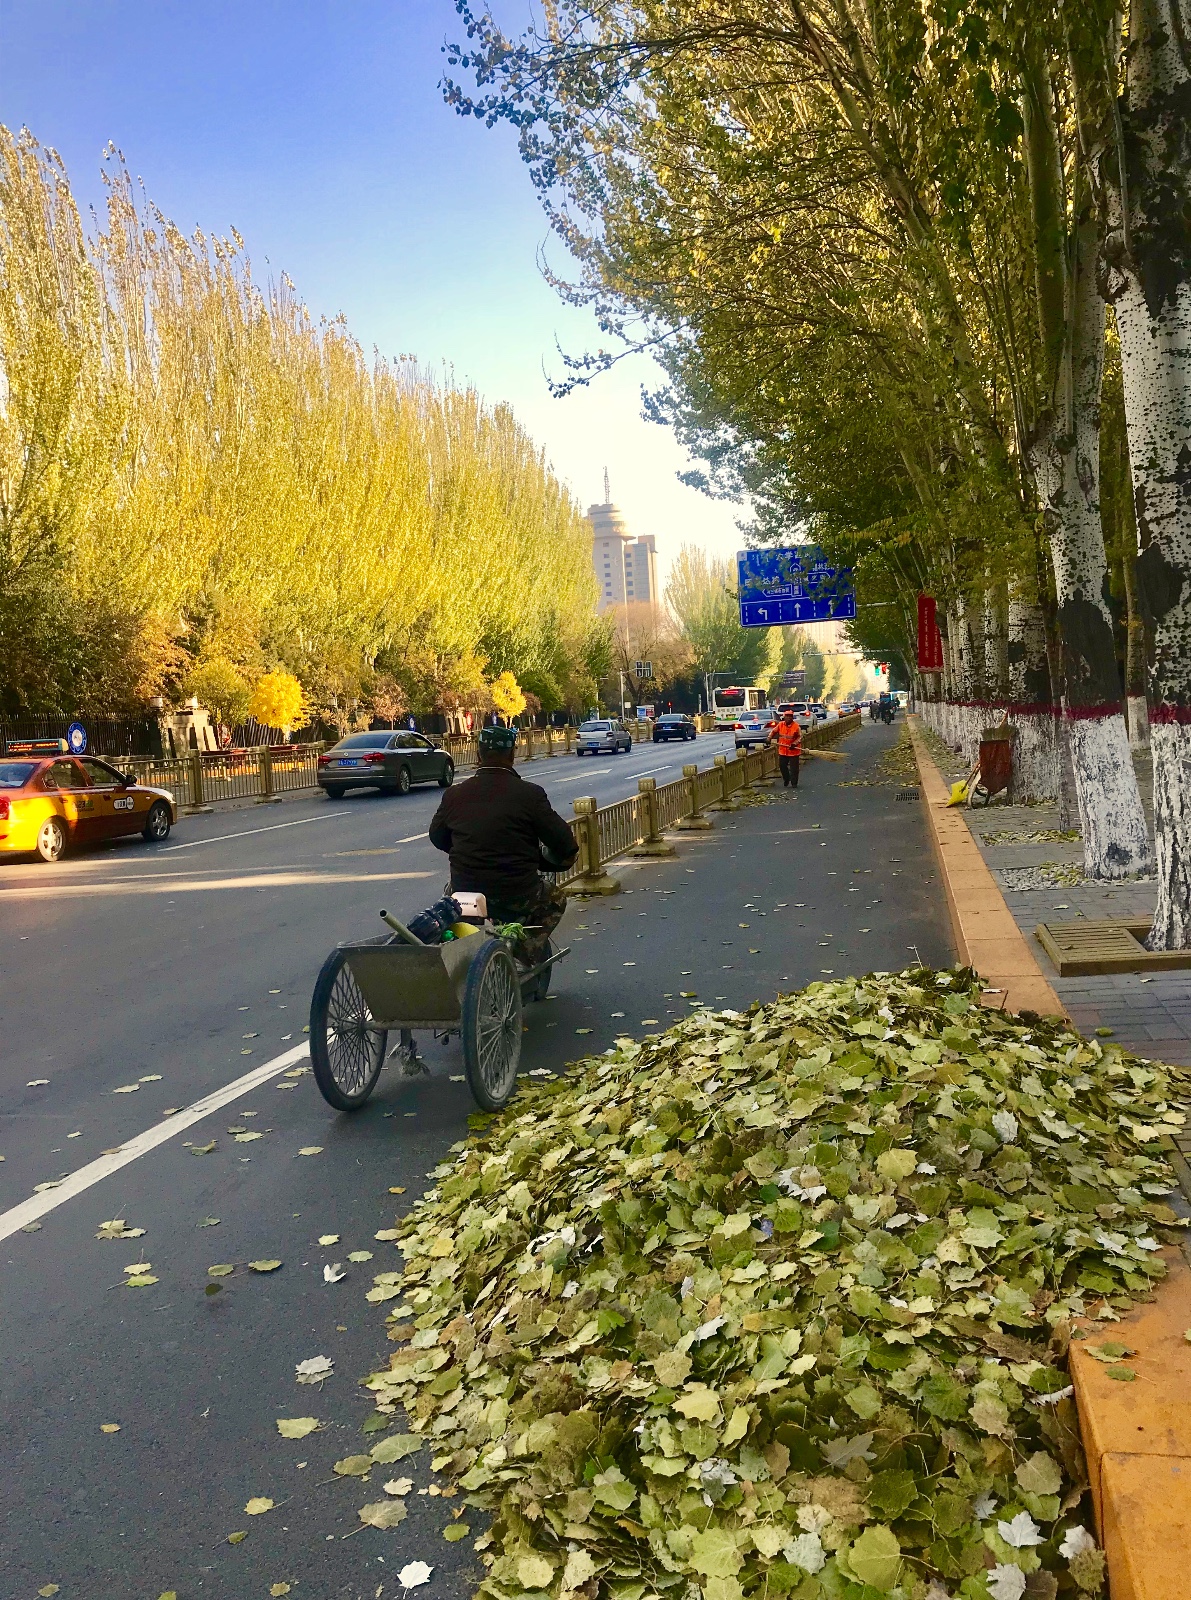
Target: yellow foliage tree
(200, 465)
(278, 701)
(507, 696)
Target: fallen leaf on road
(385, 1234)
(360, 1255)
(236, 1538)
(582, 1030)
(264, 1266)
(296, 1427)
(397, 1189)
(54, 1183)
(328, 1238)
(247, 1138)
(117, 1228)
(221, 1269)
(208, 1222)
(396, 1447)
(50, 1588)
(383, 1514)
(414, 1574)
(278, 1589)
(32, 1227)
(248, 1036)
(202, 1149)
(311, 1150)
(127, 1088)
(333, 1273)
(314, 1370)
(139, 1280)
(353, 1466)
(257, 1506)
(399, 1486)
(109, 1427)
(139, 1266)
(150, 1077)
(454, 1531)
(39, 1083)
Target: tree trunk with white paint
(1031, 705)
(1064, 457)
(1149, 259)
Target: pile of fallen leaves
(778, 1302)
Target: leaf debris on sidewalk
(782, 1297)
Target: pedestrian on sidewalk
(787, 735)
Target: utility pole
(620, 710)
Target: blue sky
(320, 132)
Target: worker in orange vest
(787, 735)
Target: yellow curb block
(986, 936)
(1137, 1440)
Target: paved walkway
(1042, 881)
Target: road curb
(1137, 1440)
(986, 935)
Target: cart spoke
(353, 1039)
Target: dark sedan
(390, 762)
(673, 725)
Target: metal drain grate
(1082, 949)
(906, 794)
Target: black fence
(106, 736)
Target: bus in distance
(727, 704)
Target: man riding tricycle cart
(468, 964)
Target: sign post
(793, 586)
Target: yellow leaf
(109, 1427)
(278, 1589)
(257, 1506)
(264, 1266)
(311, 1150)
(221, 1269)
(237, 1538)
(296, 1427)
(703, 1405)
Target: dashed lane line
(247, 833)
(39, 1205)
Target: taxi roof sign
(38, 747)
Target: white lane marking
(95, 1171)
(645, 772)
(222, 838)
(266, 880)
(410, 838)
(596, 772)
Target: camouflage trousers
(540, 910)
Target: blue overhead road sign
(795, 585)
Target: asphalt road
(179, 969)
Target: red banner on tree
(930, 640)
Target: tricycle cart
(473, 986)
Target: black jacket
(492, 825)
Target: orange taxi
(50, 799)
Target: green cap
(498, 738)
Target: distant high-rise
(626, 569)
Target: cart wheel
(491, 1026)
(347, 1049)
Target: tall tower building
(626, 569)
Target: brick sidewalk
(1151, 1014)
